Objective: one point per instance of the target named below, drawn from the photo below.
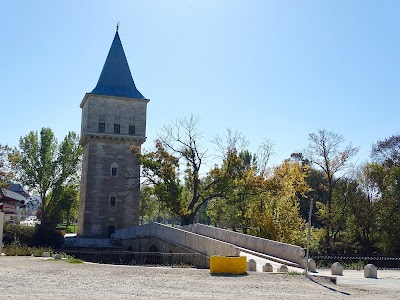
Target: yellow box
(228, 265)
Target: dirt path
(35, 278)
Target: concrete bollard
(283, 269)
(312, 266)
(337, 269)
(46, 255)
(57, 256)
(370, 271)
(251, 265)
(267, 268)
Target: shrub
(46, 237)
(18, 235)
(38, 236)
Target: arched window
(114, 170)
(112, 201)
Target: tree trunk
(68, 215)
(187, 219)
(328, 218)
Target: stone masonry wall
(98, 217)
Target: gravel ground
(36, 278)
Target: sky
(276, 70)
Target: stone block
(312, 266)
(267, 268)
(57, 256)
(251, 265)
(337, 269)
(227, 265)
(370, 271)
(283, 269)
(46, 255)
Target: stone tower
(113, 119)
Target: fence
(141, 258)
(381, 262)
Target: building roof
(116, 78)
(6, 194)
(16, 187)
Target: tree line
(355, 207)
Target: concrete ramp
(286, 252)
(193, 241)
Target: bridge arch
(153, 248)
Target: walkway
(262, 261)
(387, 279)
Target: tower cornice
(111, 138)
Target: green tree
(160, 171)
(385, 175)
(318, 191)
(174, 169)
(239, 178)
(346, 196)
(364, 209)
(46, 167)
(387, 151)
(150, 207)
(388, 214)
(283, 187)
(326, 152)
(245, 185)
(68, 201)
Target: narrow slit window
(131, 129)
(114, 170)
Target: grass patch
(73, 260)
(296, 273)
(67, 229)
(15, 250)
(355, 265)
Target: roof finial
(117, 26)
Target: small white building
(12, 205)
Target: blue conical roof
(116, 78)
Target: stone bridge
(207, 240)
(152, 236)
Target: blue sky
(275, 70)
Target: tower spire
(116, 78)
